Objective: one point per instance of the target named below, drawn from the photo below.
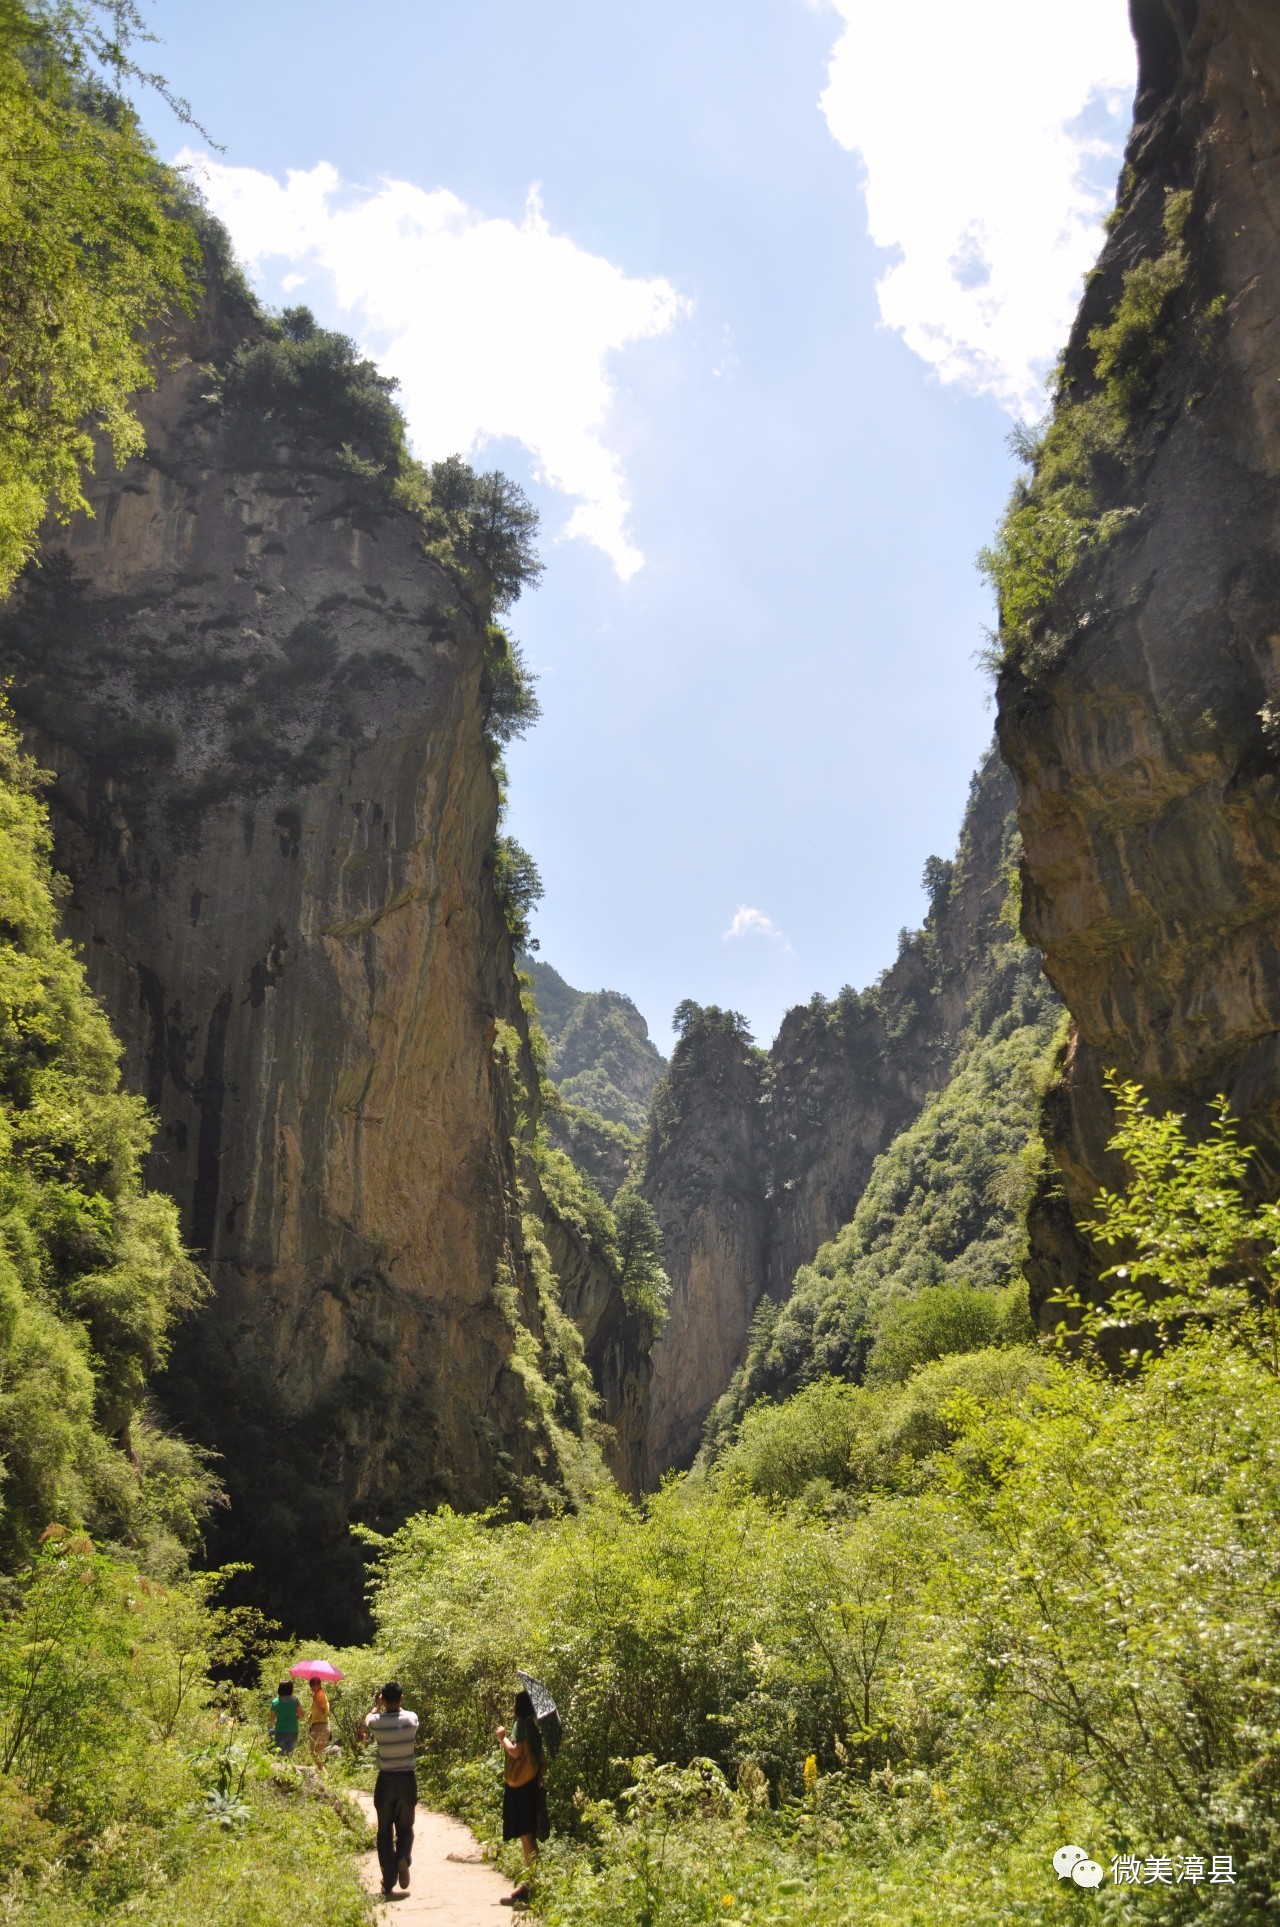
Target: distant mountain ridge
(602, 1058)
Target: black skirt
(519, 1810)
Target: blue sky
(746, 293)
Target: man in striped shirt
(395, 1791)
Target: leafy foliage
(98, 254)
(833, 1444)
(644, 1284)
(1192, 1252)
(547, 1352)
(485, 519)
(624, 1238)
(511, 702)
(518, 885)
(691, 1019)
(1011, 1600)
(603, 1151)
(313, 380)
(129, 1787)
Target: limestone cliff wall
(1145, 752)
(752, 1159)
(264, 707)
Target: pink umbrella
(314, 1669)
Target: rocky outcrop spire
(752, 1159)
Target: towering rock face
(264, 705)
(753, 1159)
(1143, 726)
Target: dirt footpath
(453, 1886)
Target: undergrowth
(901, 1643)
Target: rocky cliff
(753, 1159)
(263, 687)
(1140, 689)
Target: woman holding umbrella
(317, 1672)
(522, 1769)
(524, 1799)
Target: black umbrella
(544, 1710)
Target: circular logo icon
(1067, 1858)
(1087, 1873)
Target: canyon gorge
(265, 690)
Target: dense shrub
(518, 885)
(307, 378)
(129, 1787)
(1047, 1616)
(939, 1319)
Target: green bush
(510, 698)
(313, 380)
(518, 885)
(940, 1319)
(835, 1438)
(130, 1788)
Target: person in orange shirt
(319, 1721)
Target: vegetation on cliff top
(1058, 513)
(294, 379)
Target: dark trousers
(395, 1795)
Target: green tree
(518, 884)
(1194, 1251)
(638, 1234)
(98, 257)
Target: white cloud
(494, 329)
(980, 127)
(754, 923)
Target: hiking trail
(453, 1884)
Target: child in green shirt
(284, 1718)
